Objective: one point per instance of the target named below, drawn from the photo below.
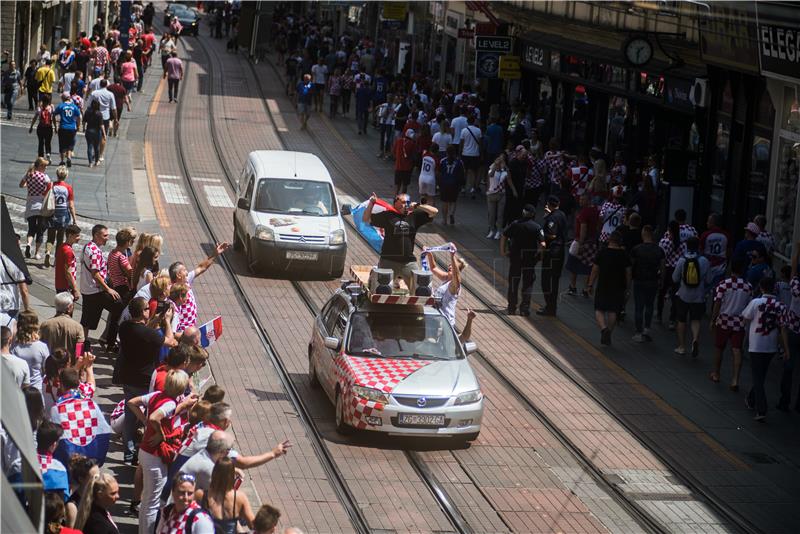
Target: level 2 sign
(488, 51)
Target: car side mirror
(333, 343)
(470, 347)
(243, 204)
(347, 209)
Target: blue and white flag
(449, 247)
(85, 428)
(54, 475)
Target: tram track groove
(644, 517)
(437, 491)
(333, 473)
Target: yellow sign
(395, 10)
(509, 68)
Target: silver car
(394, 368)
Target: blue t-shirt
(745, 247)
(494, 139)
(304, 92)
(68, 113)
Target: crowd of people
(174, 429)
(600, 220)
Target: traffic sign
(509, 68)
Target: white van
(287, 217)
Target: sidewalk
(681, 385)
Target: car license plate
(421, 419)
(301, 255)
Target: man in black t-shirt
(648, 266)
(400, 230)
(140, 343)
(526, 238)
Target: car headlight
(372, 394)
(336, 237)
(468, 397)
(264, 233)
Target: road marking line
(168, 177)
(173, 193)
(217, 196)
(212, 180)
(155, 197)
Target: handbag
(574, 247)
(48, 204)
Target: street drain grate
(761, 458)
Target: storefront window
(790, 120)
(786, 197)
(651, 85)
(580, 109)
(760, 156)
(719, 176)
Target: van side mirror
(470, 347)
(347, 209)
(332, 343)
(243, 204)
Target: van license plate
(421, 419)
(301, 255)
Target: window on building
(785, 208)
(719, 166)
(760, 156)
(617, 115)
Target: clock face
(639, 51)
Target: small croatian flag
(440, 248)
(211, 331)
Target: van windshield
(299, 197)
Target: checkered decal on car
(377, 373)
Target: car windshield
(402, 335)
(176, 8)
(298, 197)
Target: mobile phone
(237, 482)
(79, 349)
(87, 346)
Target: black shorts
(692, 310)
(402, 177)
(471, 162)
(319, 87)
(66, 139)
(93, 306)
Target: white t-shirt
(18, 369)
(66, 80)
(427, 172)
(497, 181)
(449, 301)
(458, 124)
(766, 315)
(442, 139)
(319, 73)
(471, 136)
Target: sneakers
(490, 235)
(572, 291)
(585, 294)
(47, 260)
(638, 338)
(28, 251)
(760, 417)
(646, 335)
(38, 256)
(497, 235)
(679, 350)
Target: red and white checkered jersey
(671, 251)
(766, 315)
(555, 165)
(611, 215)
(537, 174)
(686, 231)
(188, 310)
(101, 56)
(793, 313)
(93, 261)
(581, 175)
(766, 239)
(734, 294)
(37, 183)
(176, 523)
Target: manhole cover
(760, 458)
